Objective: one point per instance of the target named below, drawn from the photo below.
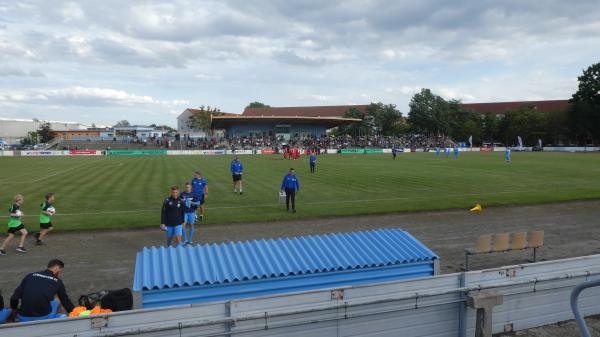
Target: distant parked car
(537, 148)
(41, 146)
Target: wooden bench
(505, 242)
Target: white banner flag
(520, 142)
(471, 140)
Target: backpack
(118, 300)
(91, 300)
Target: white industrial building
(183, 127)
(12, 130)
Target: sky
(147, 61)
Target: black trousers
(312, 167)
(290, 193)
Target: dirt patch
(106, 259)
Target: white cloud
(404, 90)
(330, 52)
(388, 54)
(314, 97)
(86, 96)
(308, 43)
(450, 94)
(72, 12)
(208, 77)
(17, 72)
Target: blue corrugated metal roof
(161, 267)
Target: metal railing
(585, 332)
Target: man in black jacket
(38, 292)
(4, 312)
(171, 217)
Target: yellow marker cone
(477, 208)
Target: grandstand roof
(503, 107)
(304, 111)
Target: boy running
(46, 214)
(200, 191)
(189, 214)
(171, 217)
(15, 225)
(237, 169)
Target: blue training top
(236, 167)
(313, 158)
(198, 186)
(189, 205)
(290, 181)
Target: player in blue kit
(313, 162)
(456, 152)
(507, 155)
(437, 151)
(189, 214)
(200, 192)
(237, 169)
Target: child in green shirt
(15, 225)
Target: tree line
(431, 114)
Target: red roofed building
(500, 108)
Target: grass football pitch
(127, 192)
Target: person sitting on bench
(38, 292)
(4, 312)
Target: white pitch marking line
(272, 205)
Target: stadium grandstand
(285, 122)
(270, 128)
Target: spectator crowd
(412, 141)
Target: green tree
(201, 119)
(45, 133)
(589, 86)
(526, 122)
(257, 104)
(557, 127)
(31, 139)
(428, 113)
(490, 128)
(463, 123)
(122, 123)
(355, 129)
(584, 114)
(385, 118)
